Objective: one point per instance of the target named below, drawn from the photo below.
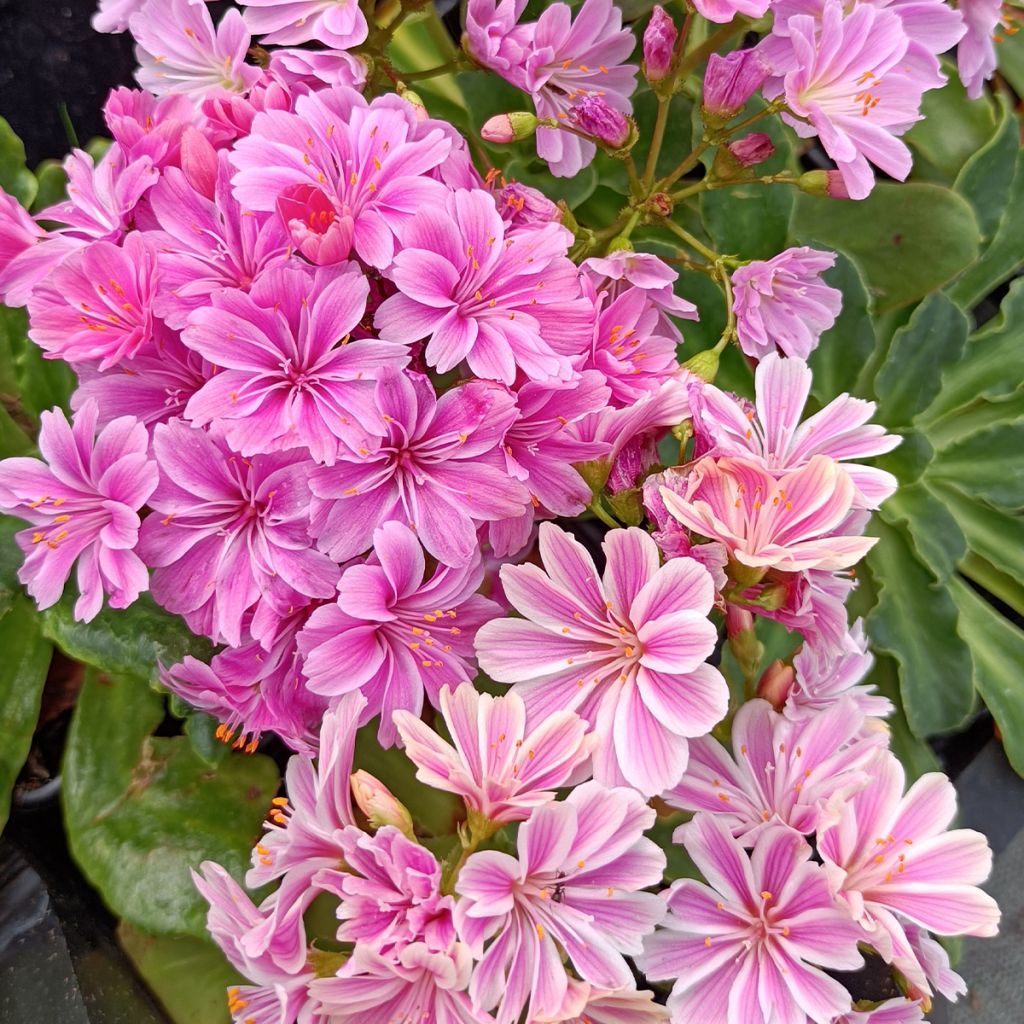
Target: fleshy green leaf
(915, 755)
(53, 183)
(140, 811)
(908, 239)
(988, 463)
(916, 622)
(920, 351)
(937, 537)
(23, 667)
(15, 178)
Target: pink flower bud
(199, 162)
(593, 116)
(729, 82)
(823, 183)
(379, 805)
(752, 149)
(776, 683)
(513, 127)
(319, 232)
(659, 45)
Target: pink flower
(723, 11)
(626, 651)
(418, 985)
(594, 116)
(180, 51)
(729, 82)
(113, 15)
(749, 946)
(20, 269)
(310, 70)
(659, 45)
(338, 23)
(520, 205)
(501, 302)
(502, 765)
(83, 503)
(145, 126)
(437, 470)
(315, 228)
(780, 771)
(585, 1004)
(227, 533)
(892, 1011)
(290, 377)
(370, 159)
(976, 53)
(495, 40)
(752, 149)
(771, 431)
(573, 889)
(393, 634)
(891, 860)
(782, 303)
(853, 88)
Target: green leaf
(916, 622)
(189, 977)
(140, 811)
(909, 461)
(128, 642)
(938, 539)
(40, 383)
(13, 439)
(531, 170)
(915, 755)
(911, 376)
(15, 178)
(53, 184)
(11, 558)
(201, 729)
(678, 140)
(998, 649)
(23, 668)
(988, 463)
(908, 239)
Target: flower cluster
(334, 389)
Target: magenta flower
(780, 771)
(500, 301)
(228, 533)
(27, 254)
(180, 51)
(976, 53)
(338, 23)
(146, 126)
(626, 651)
(571, 58)
(370, 160)
(97, 306)
(659, 45)
(788, 523)
(573, 889)
(438, 470)
(291, 378)
(594, 116)
(752, 149)
(749, 946)
(729, 82)
(316, 230)
(495, 40)
(502, 765)
(851, 84)
(723, 11)
(891, 860)
(418, 985)
(520, 205)
(394, 634)
(83, 503)
(771, 431)
(782, 303)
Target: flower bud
(823, 183)
(661, 204)
(704, 365)
(729, 82)
(752, 149)
(775, 684)
(416, 102)
(593, 116)
(513, 127)
(379, 805)
(659, 45)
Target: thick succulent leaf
(988, 463)
(15, 178)
(934, 531)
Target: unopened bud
(620, 243)
(416, 101)
(752, 149)
(513, 127)
(594, 473)
(627, 506)
(385, 12)
(744, 576)
(379, 805)
(729, 82)
(659, 45)
(776, 683)
(594, 116)
(704, 365)
(823, 183)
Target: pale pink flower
(892, 1011)
(180, 51)
(780, 771)
(976, 53)
(310, 70)
(83, 503)
(494, 38)
(891, 860)
(501, 764)
(112, 15)
(723, 11)
(750, 945)
(770, 431)
(788, 523)
(585, 1004)
(573, 889)
(338, 23)
(626, 651)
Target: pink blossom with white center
(891, 860)
(780, 771)
(500, 763)
(750, 945)
(337, 23)
(228, 534)
(787, 522)
(180, 51)
(83, 503)
(626, 651)
(371, 160)
(852, 85)
(394, 634)
(976, 53)
(771, 431)
(573, 889)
